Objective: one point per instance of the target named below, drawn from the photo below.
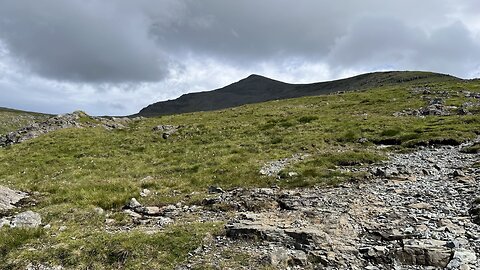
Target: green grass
(78, 248)
(72, 171)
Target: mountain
(256, 88)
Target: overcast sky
(116, 56)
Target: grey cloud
(92, 41)
(374, 42)
(131, 41)
(266, 30)
(137, 52)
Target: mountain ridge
(257, 88)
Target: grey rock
(4, 222)
(99, 210)
(462, 257)
(145, 193)
(167, 130)
(31, 266)
(27, 219)
(215, 189)
(10, 197)
(163, 221)
(133, 203)
(284, 258)
(273, 168)
(424, 252)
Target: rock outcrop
(10, 197)
(76, 119)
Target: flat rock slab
(10, 197)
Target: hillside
(385, 177)
(11, 119)
(255, 88)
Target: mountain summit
(256, 88)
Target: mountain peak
(256, 77)
(256, 88)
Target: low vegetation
(72, 171)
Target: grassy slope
(75, 170)
(11, 120)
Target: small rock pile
(436, 104)
(166, 130)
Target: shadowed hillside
(255, 88)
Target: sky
(113, 57)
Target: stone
(215, 189)
(420, 205)
(273, 168)
(458, 173)
(31, 266)
(462, 257)
(167, 130)
(27, 219)
(133, 203)
(99, 210)
(145, 192)
(4, 222)
(284, 258)
(152, 210)
(163, 221)
(363, 140)
(426, 252)
(279, 258)
(10, 197)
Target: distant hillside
(11, 119)
(255, 88)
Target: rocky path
(418, 212)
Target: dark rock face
(255, 88)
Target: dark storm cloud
(124, 41)
(137, 52)
(246, 31)
(93, 41)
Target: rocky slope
(417, 211)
